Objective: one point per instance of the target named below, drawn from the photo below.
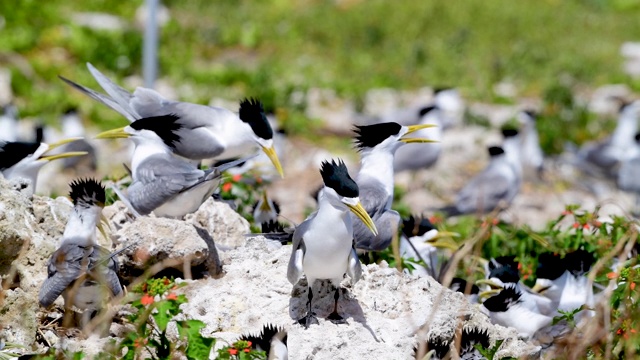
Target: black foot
(309, 319)
(335, 318)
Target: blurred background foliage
(271, 49)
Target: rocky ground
(386, 311)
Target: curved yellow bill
(271, 153)
(445, 244)
(362, 214)
(414, 128)
(63, 142)
(265, 202)
(493, 285)
(103, 226)
(539, 288)
(63, 155)
(118, 133)
(488, 293)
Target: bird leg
(334, 317)
(310, 318)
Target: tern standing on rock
(80, 257)
(23, 160)
(377, 145)
(205, 132)
(163, 183)
(323, 243)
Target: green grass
(271, 48)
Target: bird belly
(187, 202)
(88, 295)
(327, 254)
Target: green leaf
(198, 346)
(166, 311)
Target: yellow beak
(265, 202)
(118, 133)
(362, 214)
(103, 226)
(488, 293)
(62, 142)
(539, 288)
(493, 285)
(63, 155)
(414, 128)
(271, 153)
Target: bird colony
(180, 154)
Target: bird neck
(238, 139)
(145, 149)
(377, 164)
(81, 226)
(512, 152)
(330, 212)
(625, 130)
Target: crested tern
(603, 157)
(23, 160)
(629, 173)
(163, 183)
(449, 101)
(496, 186)
(531, 156)
(506, 309)
(81, 270)
(9, 123)
(377, 144)
(323, 245)
(414, 157)
(265, 212)
(206, 132)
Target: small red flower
(576, 225)
(585, 226)
(633, 331)
(566, 212)
(172, 296)
(226, 187)
(233, 351)
(619, 332)
(612, 275)
(236, 177)
(166, 281)
(146, 299)
(247, 350)
(259, 180)
(519, 266)
(140, 342)
(495, 221)
(632, 286)
(597, 223)
(249, 343)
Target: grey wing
(63, 268)
(124, 111)
(121, 96)
(354, 270)
(106, 269)
(484, 193)
(159, 179)
(374, 199)
(294, 269)
(629, 175)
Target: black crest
(507, 133)
(71, 110)
(531, 114)
(501, 302)
(440, 345)
(473, 336)
(166, 126)
(460, 285)
(495, 151)
(416, 226)
(440, 89)
(504, 260)
(368, 136)
(550, 266)
(12, 152)
(263, 339)
(87, 191)
(637, 137)
(579, 262)
(425, 110)
(506, 274)
(252, 112)
(336, 176)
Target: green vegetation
(271, 49)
